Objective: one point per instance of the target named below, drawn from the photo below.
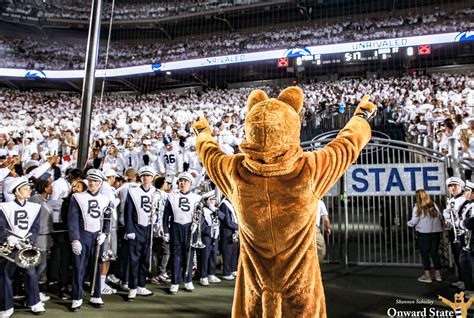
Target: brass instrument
(235, 237)
(467, 239)
(157, 208)
(28, 255)
(108, 254)
(107, 213)
(196, 225)
(215, 224)
(468, 233)
(453, 219)
(197, 220)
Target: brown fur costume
(275, 188)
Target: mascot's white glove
(14, 241)
(130, 236)
(76, 247)
(166, 237)
(101, 238)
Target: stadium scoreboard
(368, 55)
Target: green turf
(214, 300)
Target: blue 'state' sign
(396, 179)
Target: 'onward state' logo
(464, 36)
(35, 74)
(295, 52)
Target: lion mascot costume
(274, 187)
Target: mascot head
(272, 130)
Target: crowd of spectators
(431, 109)
(31, 53)
(80, 10)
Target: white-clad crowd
(31, 53)
(430, 108)
(57, 9)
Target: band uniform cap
(110, 173)
(95, 174)
(18, 183)
(31, 163)
(147, 142)
(146, 171)
(209, 195)
(455, 180)
(186, 176)
(469, 185)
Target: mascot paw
(366, 109)
(200, 126)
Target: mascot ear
(255, 97)
(293, 96)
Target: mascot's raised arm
(274, 187)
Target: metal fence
(372, 229)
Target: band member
(207, 256)
(62, 253)
(455, 186)
(229, 240)
(466, 224)
(162, 247)
(177, 219)
(138, 221)
(87, 225)
(110, 246)
(19, 219)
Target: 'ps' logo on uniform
(184, 204)
(93, 209)
(21, 219)
(145, 204)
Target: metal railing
(373, 229)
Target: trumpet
(453, 219)
(468, 233)
(196, 225)
(28, 255)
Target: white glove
(130, 236)
(76, 248)
(193, 227)
(13, 240)
(101, 238)
(166, 237)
